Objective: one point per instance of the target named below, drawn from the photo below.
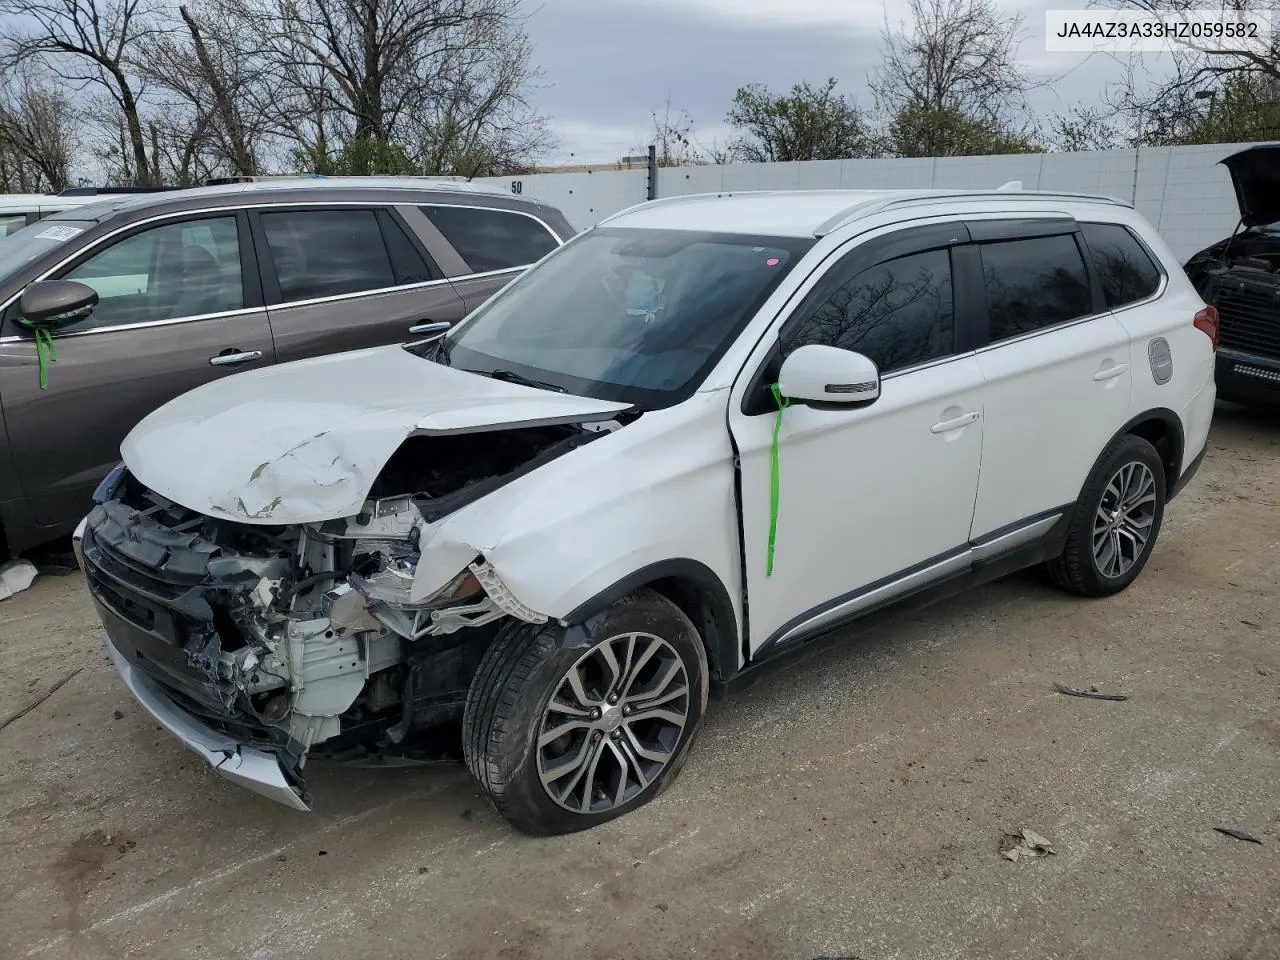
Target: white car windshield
(32, 242)
(637, 316)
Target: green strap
(46, 353)
(782, 403)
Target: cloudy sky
(608, 63)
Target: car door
(346, 277)
(878, 499)
(177, 308)
(1057, 369)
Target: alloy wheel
(613, 723)
(1122, 526)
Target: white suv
(697, 438)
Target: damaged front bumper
(252, 769)
(258, 647)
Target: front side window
(638, 316)
(164, 273)
(1034, 283)
(1125, 270)
(898, 313)
(492, 239)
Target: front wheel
(562, 737)
(1116, 522)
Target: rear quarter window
(492, 239)
(1125, 270)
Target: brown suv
(193, 285)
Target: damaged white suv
(696, 438)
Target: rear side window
(492, 239)
(327, 253)
(898, 313)
(1125, 269)
(1034, 283)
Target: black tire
(524, 667)
(1077, 568)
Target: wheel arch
(1162, 428)
(696, 590)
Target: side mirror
(54, 304)
(828, 375)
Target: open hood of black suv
(1255, 173)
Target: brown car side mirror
(54, 304)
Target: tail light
(1207, 322)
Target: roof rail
(866, 208)
(109, 191)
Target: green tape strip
(46, 353)
(782, 403)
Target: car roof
(811, 213)
(299, 189)
(30, 202)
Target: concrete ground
(852, 807)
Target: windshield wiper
(510, 376)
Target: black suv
(1240, 276)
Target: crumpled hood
(303, 442)
(1255, 174)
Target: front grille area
(165, 580)
(1249, 318)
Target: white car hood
(303, 442)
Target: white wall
(1184, 191)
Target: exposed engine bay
(1256, 252)
(293, 637)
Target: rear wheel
(564, 736)
(1116, 522)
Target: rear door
(1056, 365)
(495, 245)
(178, 308)
(341, 278)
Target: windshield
(29, 244)
(636, 316)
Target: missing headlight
(384, 571)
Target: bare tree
(223, 103)
(36, 133)
(397, 72)
(674, 140)
(950, 81)
(89, 43)
(475, 118)
(1085, 128)
(1236, 86)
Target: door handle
(955, 423)
(1111, 372)
(439, 326)
(229, 358)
